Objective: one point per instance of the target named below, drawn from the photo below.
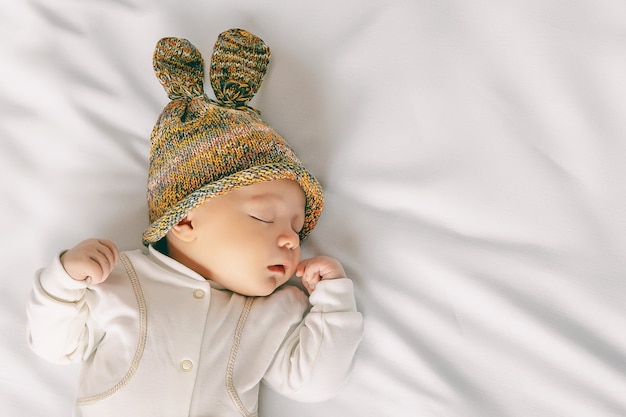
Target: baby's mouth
(277, 268)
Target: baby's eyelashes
(296, 225)
(261, 219)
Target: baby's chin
(270, 289)
(264, 290)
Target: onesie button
(186, 365)
(198, 294)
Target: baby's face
(247, 240)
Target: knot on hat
(179, 67)
(238, 66)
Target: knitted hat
(202, 148)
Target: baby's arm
(316, 358)
(60, 327)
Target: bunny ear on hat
(179, 67)
(238, 65)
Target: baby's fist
(313, 270)
(91, 260)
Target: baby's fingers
(302, 267)
(108, 249)
(103, 258)
(309, 285)
(91, 260)
(94, 272)
(309, 272)
(98, 267)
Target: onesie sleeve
(60, 329)
(316, 358)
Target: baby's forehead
(273, 189)
(277, 193)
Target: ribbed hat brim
(275, 171)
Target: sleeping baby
(193, 323)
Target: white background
(473, 157)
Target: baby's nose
(289, 239)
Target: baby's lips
(277, 268)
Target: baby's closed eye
(262, 218)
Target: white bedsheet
(473, 155)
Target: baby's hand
(91, 260)
(314, 270)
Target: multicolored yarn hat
(202, 148)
